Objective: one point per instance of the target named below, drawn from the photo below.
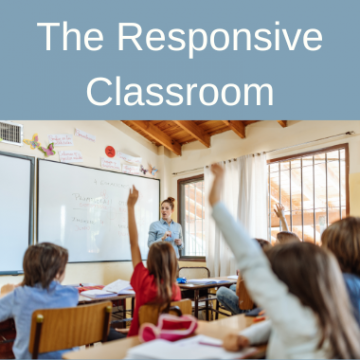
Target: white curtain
(245, 195)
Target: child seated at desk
(44, 270)
(157, 282)
(299, 286)
(236, 298)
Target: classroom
(212, 199)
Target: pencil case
(169, 327)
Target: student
(157, 282)
(44, 270)
(343, 239)
(284, 236)
(230, 297)
(300, 288)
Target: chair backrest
(59, 329)
(194, 272)
(245, 301)
(149, 313)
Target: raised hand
(217, 185)
(279, 210)
(133, 196)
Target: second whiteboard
(84, 210)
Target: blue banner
(191, 60)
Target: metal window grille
(312, 189)
(192, 205)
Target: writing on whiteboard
(85, 135)
(61, 139)
(71, 156)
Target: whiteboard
(16, 210)
(84, 210)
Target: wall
(268, 135)
(122, 138)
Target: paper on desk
(234, 277)
(118, 286)
(185, 349)
(206, 281)
(95, 294)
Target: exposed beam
(195, 131)
(237, 126)
(153, 131)
(283, 123)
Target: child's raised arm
(279, 212)
(133, 233)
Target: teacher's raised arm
(167, 229)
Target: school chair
(59, 329)
(150, 313)
(206, 297)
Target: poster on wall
(61, 139)
(111, 164)
(72, 156)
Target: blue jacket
(23, 301)
(353, 286)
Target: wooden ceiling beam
(195, 131)
(153, 131)
(283, 123)
(237, 126)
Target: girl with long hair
(301, 289)
(157, 282)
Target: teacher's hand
(167, 234)
(178, 242)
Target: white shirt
(293, 331)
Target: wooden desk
(197, 287)
(118, 349)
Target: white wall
(122, 138)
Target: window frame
(344, 146)
(179, 220)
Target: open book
(118, 287)
(207, 281)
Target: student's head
(312, 274)
(162, 263)
(284, 237)
(167, 208)
(44, 263)
(264, 244)
(343, 239)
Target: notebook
(118, 287)
(197, 347)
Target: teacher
(166, 229)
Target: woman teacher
(166, 229)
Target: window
(313, 187)
(191, 210)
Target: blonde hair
(284, 237)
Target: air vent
(11, 133)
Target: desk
(117, 349)
(197, 287)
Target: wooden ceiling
(174, 133)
